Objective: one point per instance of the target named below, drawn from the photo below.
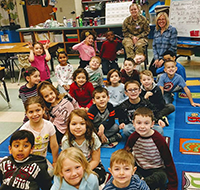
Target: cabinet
(67, 37)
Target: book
(192, 117)
(189, 146)
(190, 180)
(194, 95)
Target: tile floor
(11, 118)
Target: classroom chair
(6, 96)
(23, 63)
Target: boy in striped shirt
(153, 157)
(122, 168)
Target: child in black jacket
(22, 170)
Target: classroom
(91, 50)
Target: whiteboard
(117, 12)
(185, 16)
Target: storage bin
(9, 36)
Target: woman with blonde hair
(165, 38)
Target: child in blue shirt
(170, 82)
(170, 55)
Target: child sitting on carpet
(102, 115)
(22, 170)
(122, 168)
(42, 129)
(170, 82)
(63, 72)
(170, 55)
(157, 166)
(60, 106)
(32, 77)
(152, 92)
(128, 72)
(80, 133)
(94, 71)
(127, 108)
(115, 88)
(81, 89)
(72, 172)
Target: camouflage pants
(133, 49)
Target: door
(37, 13)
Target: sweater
(29, 174)
(87, 183)
(26, 92)
(135, 183)
(134, 76)
(83, 94)
(60, 112)
(64, 74)
(109, 49)
(157, 98)
(95, 76)
(107, 118)
(41, 64)
(165, 155)
(86, 52)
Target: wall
(20, 14)
(65, 7)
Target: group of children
(79, 116)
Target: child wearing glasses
(128, 107)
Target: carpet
(184, 143)
(186, 148)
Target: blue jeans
(113, 130)
(129, 129)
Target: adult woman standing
(165, 38)
(135, 29)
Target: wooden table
(8, 49)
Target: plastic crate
(9, 36)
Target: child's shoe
(164, 118)
(111, 145)
(115, 138)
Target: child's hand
(195, 104)
(156, 62)
(104, 139)
(46, 45)
(161, 123)
(30, 46)
(101, 130)
(159, 64)
(121, 51)
(146, 96)
(66, 87)
(122, 125)
(135, 39)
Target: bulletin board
(116, 12)
(185, 16)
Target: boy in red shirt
(108, 53)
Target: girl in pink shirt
(60, 106)
(85, 48)
(39, 56)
